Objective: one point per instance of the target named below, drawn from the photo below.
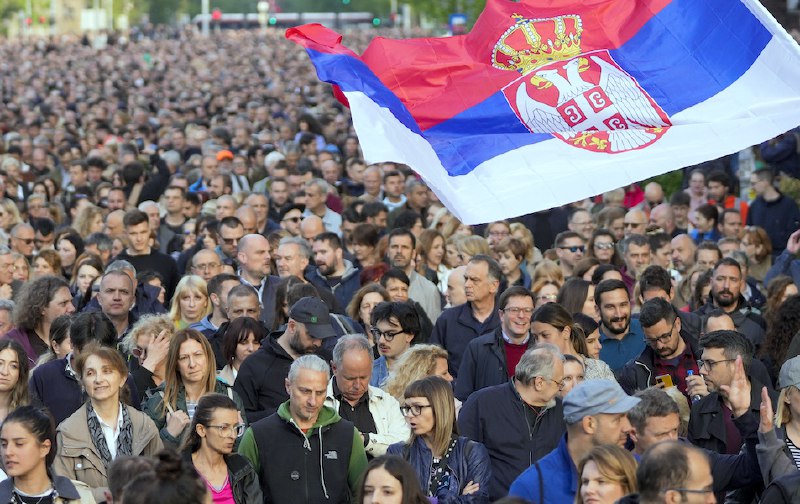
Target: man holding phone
(670, 357)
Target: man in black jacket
(260, 382)
(670, 355)
(491, 359)
(521, 421)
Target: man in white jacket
(375, 413)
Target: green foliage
(670, 182)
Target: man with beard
(711, 421)
(670, 355)
(402, 254)
(261, 376)
(622, 338)
(726, 293)
(334, 273)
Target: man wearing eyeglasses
(635, 222)
(673, 472)
(711, 421)
(670, 356)
(395, 327)
(594, 414)
(22, 239)
(492, 358)
(570, 247)
(520, 421)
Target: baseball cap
(313, 313)
(595, 397)
(790, 373)
(224, 154)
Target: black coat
(260, 382)
(455, 328)
(483, 364)
(497, 417)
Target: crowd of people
(208, 295)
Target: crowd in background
(202, 282)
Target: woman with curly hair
(781, 330)
(416, 363)
(89, 220)
(778, 290)
(47, 262)
(38, 305)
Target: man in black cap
(260, 382)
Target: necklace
(18, 495)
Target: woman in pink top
(229, 477)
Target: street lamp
(263, 11)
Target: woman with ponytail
(552, 323)
(228, 476)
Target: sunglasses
(575, 248)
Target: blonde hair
(473, 245)
(615, 464)
(550, 272)
(527, 238)
(443, 405)
(783, 414)
(416, 363)
(83, 221)
(11, 208)
(151, 324)
(188, 283)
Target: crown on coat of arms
(530, 43)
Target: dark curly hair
(775, 289)
(34, 298)
(782, 327)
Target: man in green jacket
(306, 450)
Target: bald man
(248, 218)
(114, 226)
(206, 264)
(311, 227)
(253, 256)
(662, 216)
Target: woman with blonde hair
(550, 271)
(779, 435)
(471, 246)
(9, 214)
(190, 374)
(190, 302)
(89, 220)
(448, 466)
(416, 363)
(455, 227)
(146, 342)
(607, 474)
(544, 291)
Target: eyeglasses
(574, 249)
(548, 297)
(207, 267)
(498, 234)
(559, 384)
(231, 241)
(388, 336)
(516, 310)
(604, 245)
(228, 430)
(26, 241)
(293, 219)
(414, 409)
(664, 338)
(633, 224)
(691, 490)
(709, 364)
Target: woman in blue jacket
(450, 467)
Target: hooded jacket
(346, 288)
(78, 458)
(322, 465)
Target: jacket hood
(327, 416)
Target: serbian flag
(548, 102)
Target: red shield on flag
(589, 102)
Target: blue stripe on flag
(687, 53)
(352, 74)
